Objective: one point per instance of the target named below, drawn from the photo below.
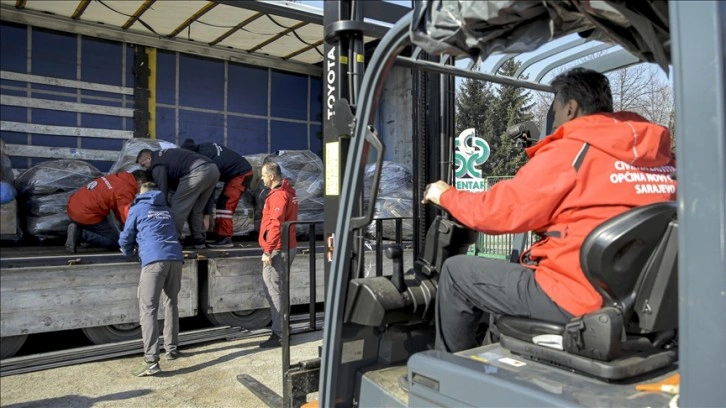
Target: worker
(595, 165)
(151, 232)
(236, 173)
(91, 207)
(280, 207)
(192, 177)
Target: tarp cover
(480, 28)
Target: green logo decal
(471, 153)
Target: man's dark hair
(274, 168)
(189, 144)
(141, 176)
(589, 88)
(148, 186)
(141, 153)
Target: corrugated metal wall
(58, 82)
(71, 96)
(249, 109)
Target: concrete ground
(205, 376)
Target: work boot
(146, 369)
(73, 237)
(225, 242)
(272, 342)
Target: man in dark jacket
(236, 173)
(193, 178)
(280, 206)
(150, 227)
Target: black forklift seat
(631, 260)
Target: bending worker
(90, 207)
(236, 173)
(193, 178)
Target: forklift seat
(631, 260)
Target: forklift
(379, 329)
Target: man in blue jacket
(150, 227)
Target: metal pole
(698, 35)
(311, 266)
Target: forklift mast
(350, 104)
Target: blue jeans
(105, 234)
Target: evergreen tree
(491, 111)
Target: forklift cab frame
(349, 350)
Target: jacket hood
(626, 136)
(154, 197)
(285, 185)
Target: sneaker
(146, 369)
(222, 243)
(73, 237)
(194, 243)
(172, 354)
(272, 342)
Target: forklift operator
(595, 165)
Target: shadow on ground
(79, 400)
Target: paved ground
(204, 377)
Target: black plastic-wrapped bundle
(51, 204)
(394, 199)
(304, 171)
(127, 159)
(396, 205)
(394, 177)
(243, 219)
(43, 192)
(55, 176)
(47, 226)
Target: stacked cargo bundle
(254, 198)
(43, 192)
(131, 149)
(304, 171)
(8, 205)
(394, 200)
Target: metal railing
(303, 375)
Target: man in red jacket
(596, 165)
(89, 208)
(280, 206)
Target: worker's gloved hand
(266, 259)
(433, 192)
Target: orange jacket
(280, 206)
(589, 170)
(91, 204)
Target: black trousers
(473, 290)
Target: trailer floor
(205, 376)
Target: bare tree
(638, 88)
